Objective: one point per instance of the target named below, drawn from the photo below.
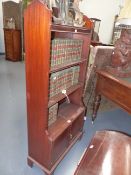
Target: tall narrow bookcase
(56, 62)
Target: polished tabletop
(109, 153)
(124, 80)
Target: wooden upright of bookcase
(48, 144)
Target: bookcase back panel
(76, 97)
(59, 34)
(77, 126)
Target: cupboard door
(12, 44)
(17, 45)
(76, 127)
(60, 145)
(8, 44)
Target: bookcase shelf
(60, 96)
(54, 88)
(70, 111)
(71, 29)
(66, 116)
(64, 66)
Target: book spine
(53, 110)
(65, 51)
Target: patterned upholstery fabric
(99, 57)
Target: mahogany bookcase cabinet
(50, 139)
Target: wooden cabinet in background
(56, 62)
(12, 39)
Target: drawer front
(76, 127)
(59, 146)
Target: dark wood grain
(108, 153)
(70, 29)
(37, 49)
(64, 66)
(47, 145)
(12, 38)
(60, 96)
(114, 88)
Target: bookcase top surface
(57, 27)
(72, 29)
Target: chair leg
(96, 106)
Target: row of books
(52, 114)
(63, 80)
(65, 51)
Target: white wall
(1, 30)
(2, 47)
(105, 10)
(102, 9)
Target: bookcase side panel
(37, 20)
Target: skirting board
(2, 53)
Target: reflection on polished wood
(109, 153)
(114, 88)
